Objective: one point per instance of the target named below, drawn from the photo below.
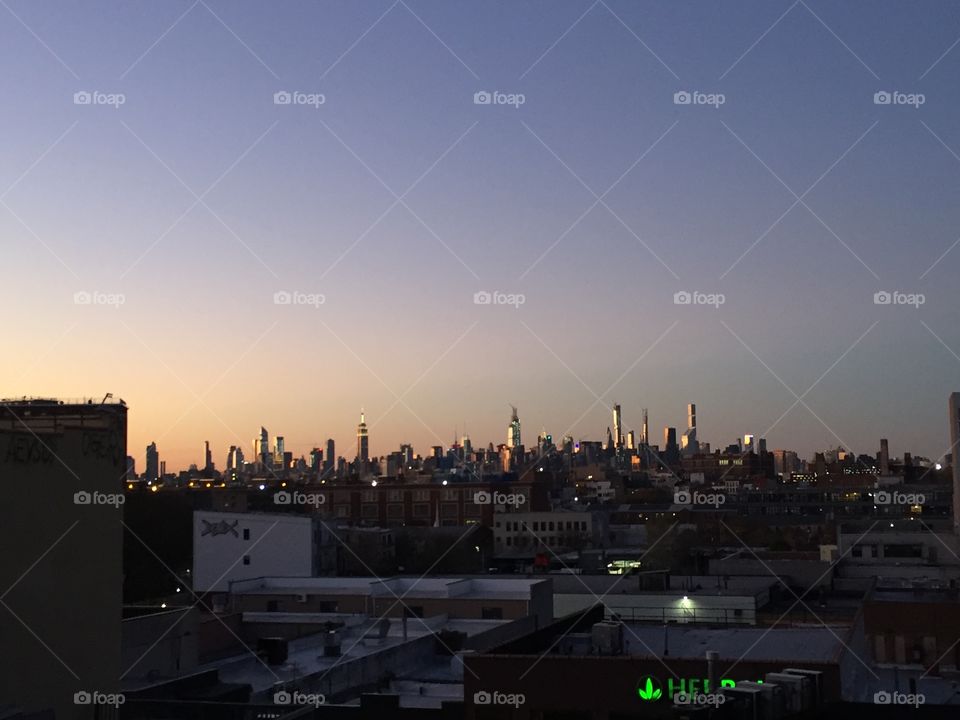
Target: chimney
(712, 657)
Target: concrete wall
(658, 607)
(163, 644)
(802, 573)
(276, 545)
(366, 671)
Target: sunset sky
(398, 198)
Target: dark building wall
(599, 685)
(908, 633)
(62, 561)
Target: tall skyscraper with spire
(363, 441)
(513, 430)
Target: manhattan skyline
(396, 199)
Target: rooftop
(788, 646)
(408, 587)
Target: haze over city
(398, 197)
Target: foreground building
(63, 465)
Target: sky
(160, 203)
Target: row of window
(545, 525)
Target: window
(369, 496)
(328, 606)
(491, 613)
(246, 533)
(395, 510)
(395, 495)
(272, 605)
(413, 611)
(421, 496)
(246, 559)
(370, 510)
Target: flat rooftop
(695, 585)
(305, 655)
(786, 645)
(489, 588)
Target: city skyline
(267, 442)
(295, 212)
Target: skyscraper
(644, 430)
(954, 446)
(617, 427)
(631, 441)
(235, 459)
(513, 430)
(363, 442)
(261, 448)
(670, 450)
(885, 456)
(153, 463)
(329, 459)
(207, 457)
(688, 442)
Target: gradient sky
(104, 199)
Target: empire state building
(363, 442)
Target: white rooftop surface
(406, 587)
(305, 655)
(789, 645)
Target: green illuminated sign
(649, 689)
